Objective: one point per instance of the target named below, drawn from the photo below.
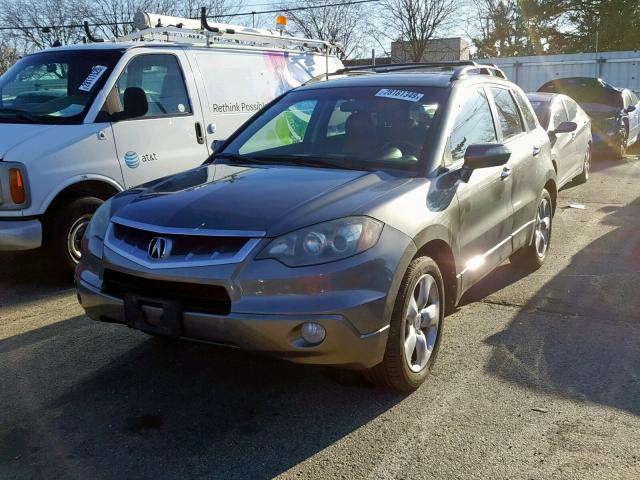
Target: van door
(169, 138)
(485, 199)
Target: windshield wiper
(23, 115)
(311, 161)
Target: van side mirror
(216, 144)
(565, 127)
(135, 104)
(631, 108)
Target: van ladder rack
(209, 35)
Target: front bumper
(268, 334)
(20, 235)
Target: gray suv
(338, 225)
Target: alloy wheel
(543, 227)
(422, 321)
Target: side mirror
(216, 144)
(565, 127)
(135, 104)
(484, 155)
(631, 108)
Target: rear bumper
(20, 235)
(269, 334)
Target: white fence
(621, 69)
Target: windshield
(54, 87)
(542, 112)
(358, 128)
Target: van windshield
(54, 87)
(343, 127)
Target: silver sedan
(569, 130)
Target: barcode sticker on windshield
(92, 78)
(400, 94)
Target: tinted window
(508, 115)
(161, 79)
(559, 114)
(473, 124)
(572, 109)
(528, 115)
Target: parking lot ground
(538, 377)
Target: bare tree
(49, 18)
(8, 55)
(416, 22)
(343, 23)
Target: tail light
(16, 186)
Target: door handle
(505, 173)
(536, 151)
(199, 133)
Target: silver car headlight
(324, 242)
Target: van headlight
(324, 242)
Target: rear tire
(415, 329)
(533, 256)
(67, 225)
(586, 167)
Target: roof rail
(153, 27)
(460, 69)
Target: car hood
(269, 199)
(14, 134)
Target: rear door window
(508, 113)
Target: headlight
(324, 242)
(99, 222)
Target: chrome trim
(188, 231)
(240, 255)
(377, 332)
(493, 249)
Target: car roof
(439, 79)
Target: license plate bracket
(153, 315)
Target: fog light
(313, 332)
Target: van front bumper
(20, 235)
(265, 333)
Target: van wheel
(67, 226)
(415, 330)
(533, 256)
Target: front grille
(185, 248)
(195, 297)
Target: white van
(81, 123)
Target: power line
(227, 15)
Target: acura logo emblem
(159, 247)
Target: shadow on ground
(164, 409)
(587, 349)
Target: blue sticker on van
(131, 159)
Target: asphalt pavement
(538, 377)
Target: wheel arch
(96, 186)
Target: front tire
(67, 226)
(533, 256)
(415, 330)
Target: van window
(287, 128)
(55, 87)
(473, 124)
(161, 79)
(508, 115)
